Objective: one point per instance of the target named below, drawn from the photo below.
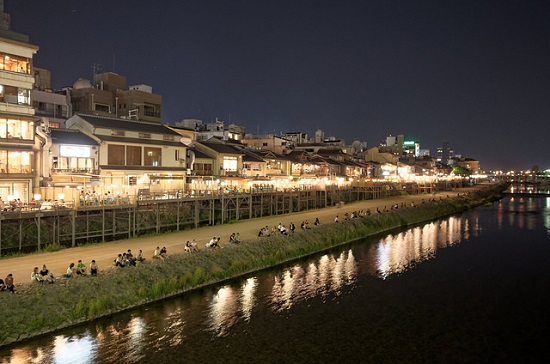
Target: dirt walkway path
(104, 253)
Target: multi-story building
(108, 96)
(445, 153)
(271, 142)
(469, 163)
(54, 108)
(17, 120)
(132, 155)
(411, 148)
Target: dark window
(102, 108)
(116, 155)
(133, 156)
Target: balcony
(62, 171)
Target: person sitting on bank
(163, 253)
(119, 261)
(187, 247)
(156, 253)
(81, 268)
(35, 276)
(235, 238)
(93, 268)
(211, 243)
(71, 271)
(10, 286)
(130, 258)
(139, 257)
(47, 276)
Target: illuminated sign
(409, 142)
(74, 151)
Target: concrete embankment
(42, 309)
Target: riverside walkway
(104, 253)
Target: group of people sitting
(160, 253)
(80, 269)
(214, 243)
(7, 284)
(265, 231)
(43, 275)
(304, 225)
(127, 259)
(282, 229)
(190, 247)
(356, 215)
(234, 238)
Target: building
(228, 160)
(469, 163)
(217, 129)
(108, 96)
(67, 162)
(17, 121)
(445, 153)
(410, 148)
(133, 155)
(54, 108)
(271, 142)
(394, 145)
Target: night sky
(474, 73)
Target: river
(471, 288)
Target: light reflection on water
(216, 312)
(300, 282)
(521, 212)
(396, 253)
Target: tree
(461, 171)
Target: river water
(472, 288)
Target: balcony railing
(58, 171)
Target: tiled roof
(69, 136)
(222, 148)
(120, 139)
(126, 124)
(267, 154)
(199, 154)
(252, 157)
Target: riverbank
(47, 308)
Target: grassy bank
(46, 308)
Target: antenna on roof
(96, 67)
